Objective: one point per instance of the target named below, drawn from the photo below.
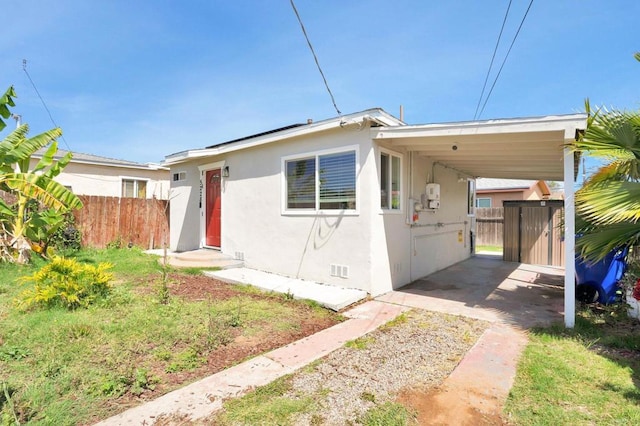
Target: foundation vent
(341, 271)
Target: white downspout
(569, 240)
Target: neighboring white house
(88, 174)
(359, 201)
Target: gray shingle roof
(96, 159)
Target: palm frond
(606, 203)
(612, 135)
(595, 245)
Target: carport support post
(569, 239)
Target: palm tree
(608, 204)
(20, 228)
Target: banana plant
(6, 101)
(22, 228)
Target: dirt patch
(240, 347)
(446, 406)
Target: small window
(179, 176)
(133, 188)
(321, 182)
(390, 172)
(471, 196)
(483, 202)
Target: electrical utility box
(433, 191)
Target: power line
(505, 58)
(495, 49)
(24, 68)
(315, 57)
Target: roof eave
(569, 123)
(374, 115)
(150, 166)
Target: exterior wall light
(225, 171)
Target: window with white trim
(134, 188)
(321, 182)
(483, 202)
(390, 183)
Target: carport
(519, 148)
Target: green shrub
(66, 238)
(66, 283)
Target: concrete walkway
(511, 296)
(478, 387)
(489, 289)
(200, 399)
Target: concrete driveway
(485, 287)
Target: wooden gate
(533, 232)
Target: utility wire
(495, 49)
(24, 68)
(315, 57)
(505, 58)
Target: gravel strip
(421, 351)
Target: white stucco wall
(303, 245)
(381, 250)
(403, 253)
(184, 208)
(92, 179)
(440, 237)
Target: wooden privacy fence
(489, 226)
(140, 222)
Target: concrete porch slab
(201, 258)
(331, 297)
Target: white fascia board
(377, 115)
(566, 123)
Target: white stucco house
(88, 174)
(360, 201)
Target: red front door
(214, 208)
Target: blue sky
(141, 79)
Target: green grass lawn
(492, 249)
(586, 376)
(60, 367)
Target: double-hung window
(321, 181)
(134, 188)
(390, 181)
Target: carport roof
(516, 148)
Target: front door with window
(213, 208)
